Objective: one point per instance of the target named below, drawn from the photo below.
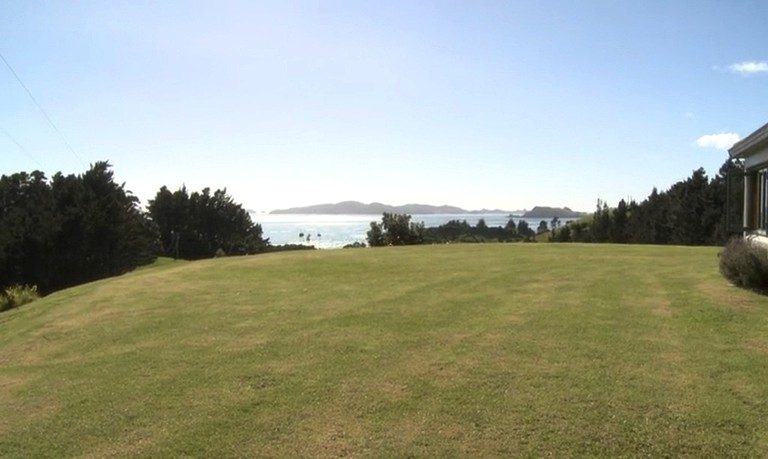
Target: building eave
(750, 144)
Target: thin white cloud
(689, 115)
(749, 67)
(721, 141)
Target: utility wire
(29, 93)
(21, 147)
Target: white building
(753, 150)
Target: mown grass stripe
(461, 350)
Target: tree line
(203, 224)
(694, 211)
(397, 229)
(71, 229)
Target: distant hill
(551, 212)
(377, 208)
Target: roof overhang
(751, 144)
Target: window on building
(761, 201)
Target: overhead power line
(21, 147)
(40, 107)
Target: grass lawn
(441, 351)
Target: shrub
(745, 263)
(355, 245)
(18, 295)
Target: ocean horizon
(326, 231)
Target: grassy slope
(463, 350)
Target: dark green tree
(524, 231)
(619, 231)
(511, 227)
(73, 229)
(580, 231)
(395, 229)
(691, 207)
(454, 230)
(198, 225)
(601, 223)
(28, 227)
(375, 236)
(562, 234)
(657, 221)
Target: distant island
(377, 208)
(551, 212)
(374, 208)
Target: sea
(336, 231)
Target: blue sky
(476, 104)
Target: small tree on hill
(524, 230)
(511, 227)
(542, 227)
(375, 235)
(618, 230)
(395, 229)
(601, 223)
(562, 234)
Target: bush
(18, 295)
(744, 262)
(355, 245)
